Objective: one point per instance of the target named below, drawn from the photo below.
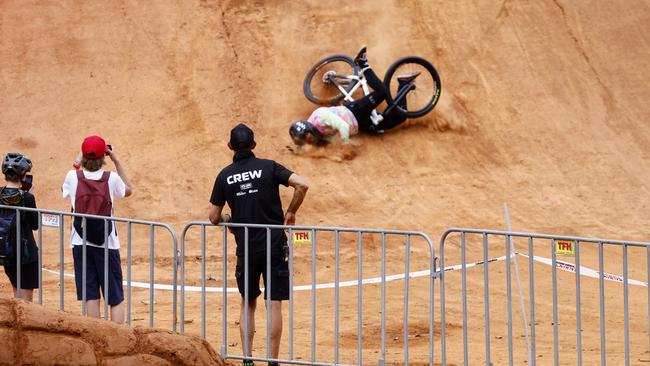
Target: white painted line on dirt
(330, 285)
(368, 281)
(585, 271)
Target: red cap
(94, 147)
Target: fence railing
(326, 247)
(56, 220)
(357, 298)
(589, 296)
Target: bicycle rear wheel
(322, 82)
(424, 97)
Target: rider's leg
(390, 120)
(363, 107)
(394, 118)
(376, 84)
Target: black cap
(241, 137)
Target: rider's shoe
(407, 79)
(360, 59)
(247, 362)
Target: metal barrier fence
(327, 243)
(56, 220)
(532, 346)
(406, 314)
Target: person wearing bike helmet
(15, 167)
(325, 123)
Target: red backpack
(93, 197)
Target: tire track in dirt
(607, 96)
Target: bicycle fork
(401, 94)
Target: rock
(32, 334)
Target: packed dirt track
(544, 108)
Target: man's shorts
(257, 267)
(95, 274)
(28, 275)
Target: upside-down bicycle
(336, 79)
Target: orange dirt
(36, 336)
(544, 107)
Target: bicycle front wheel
(324, 80)
(424, 97)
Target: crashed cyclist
(325, 123)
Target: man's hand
(290, 218)
(120, 171)
(112, 155)
(300, 187)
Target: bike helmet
(300, 129)
(16, 164)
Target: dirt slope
(544, 106)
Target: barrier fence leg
(224, 318)
(486, 294)
(61, 266)
(128, 276)
(601, 280)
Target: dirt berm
(33, 335)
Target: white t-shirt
(116, 187)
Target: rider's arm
(336, 122)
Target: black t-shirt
(28, 222)
(250, 186)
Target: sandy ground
(544, 108)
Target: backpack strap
(104, 178)
(13, 199)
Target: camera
(110, 148)
(27, 183)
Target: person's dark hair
(10, 177)
(92, 165)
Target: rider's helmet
(300, 129)
(16, 164)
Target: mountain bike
(336, 79)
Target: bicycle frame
(362, 83)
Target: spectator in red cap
(92, 191)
